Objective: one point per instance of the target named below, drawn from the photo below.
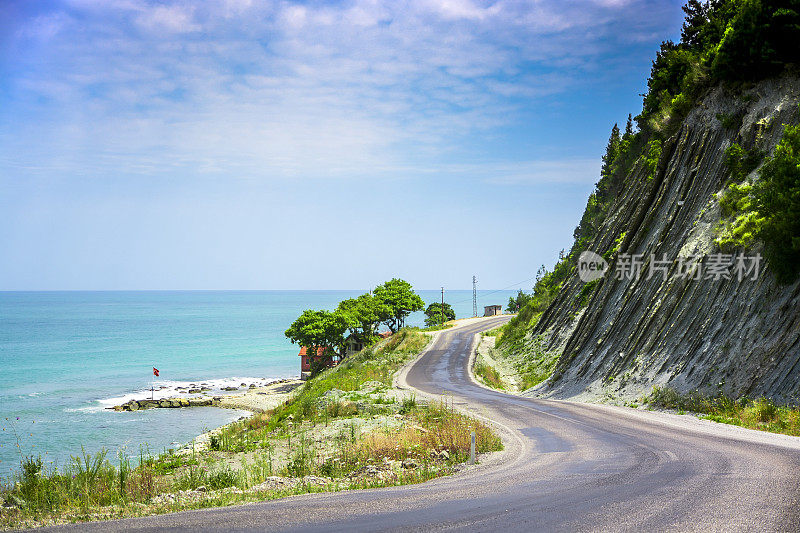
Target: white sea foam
(87, 409)
(172, 389)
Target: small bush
(409, 404)
(777, 199)
(342, 409)
(769, 209)
(761, 414)
(489, 375)
(222, 479)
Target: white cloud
(290, 90)
(172, 19)
(464, 9)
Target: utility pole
(474, 296)
(441, 309)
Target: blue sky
(237, 144)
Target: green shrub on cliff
(777, 199)
(740, 223)
(769, 209)
(721, 41)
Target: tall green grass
(759, 413)
(489, 375)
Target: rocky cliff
(730, 336)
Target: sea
(66, 357)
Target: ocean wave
(87, 409)
(172, 389)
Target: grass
(437, 327)
(531, 362)
(496, 332)
(489, 375)
(536, 364)
(318, 432)
(760, 413)
(435, 428)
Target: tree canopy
(363, 315)
(360, 317)
(319, 329)
(721, 41)
(436, 314)
(518, 302)
(398, 296)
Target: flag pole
(153, 383)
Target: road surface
(566, 467)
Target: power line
(474, 293)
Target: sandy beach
(261, 399)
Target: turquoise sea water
(65, 356)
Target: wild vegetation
(326, 332)
(724, 43)
(343, 429)
(438, 313)
(526, 362)
(489, 375)
(768, 209)
(760, 413)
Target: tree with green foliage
(628, 128)
(437, 313)
(319, 331)
(721, 41)
(759, 40)
(612, 151)
(363, 315)
(768, 209)
(515, 303)
(398, 296)
(777, 199)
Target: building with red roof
(307, 359)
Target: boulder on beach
(133, 406)
(199, 402)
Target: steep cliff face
(737, 337)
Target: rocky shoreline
(136, 405)
(254, 399)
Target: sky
(238, 144)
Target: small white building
(492, 310)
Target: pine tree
(612, 151)
(628, 128)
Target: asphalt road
(566, 467)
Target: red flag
(155, 371)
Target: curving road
(566, 467)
